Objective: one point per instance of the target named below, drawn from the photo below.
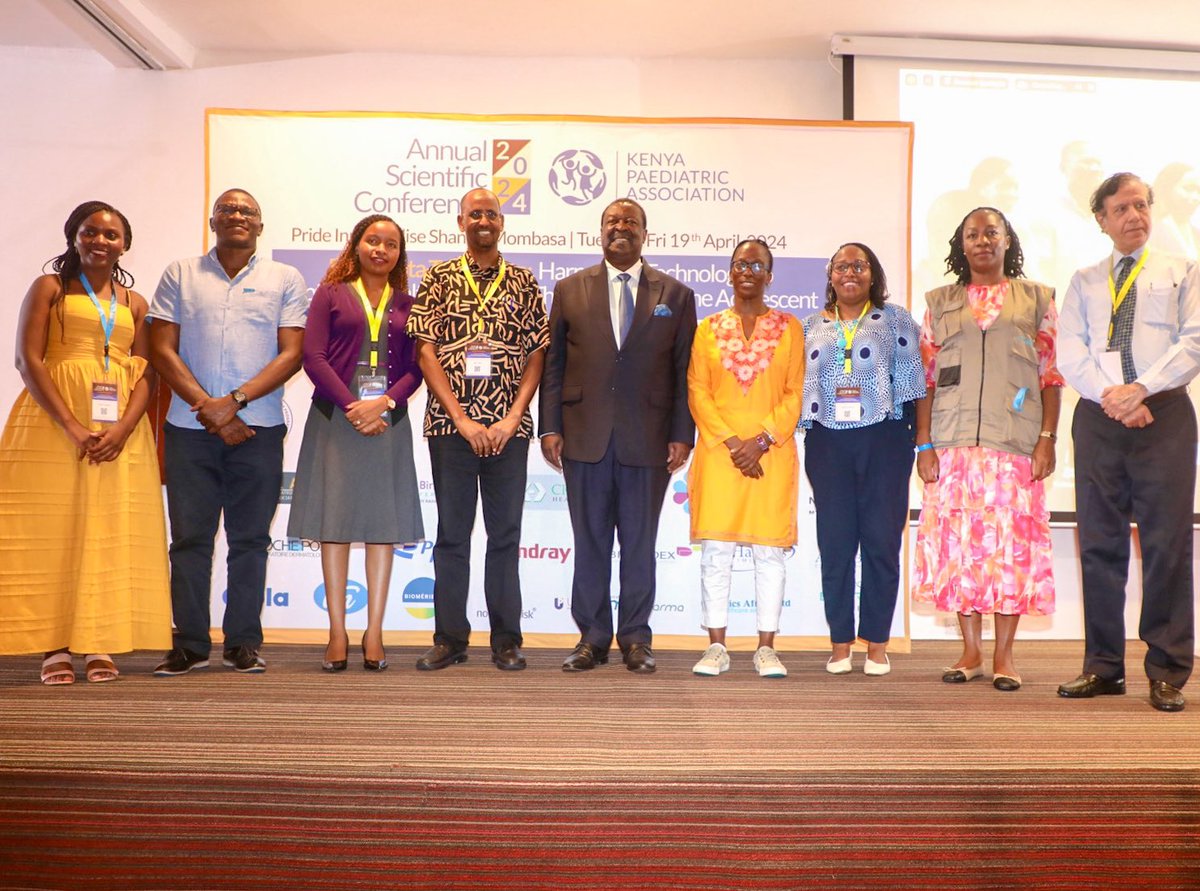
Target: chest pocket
(1158, 307)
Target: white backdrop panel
(705, 184)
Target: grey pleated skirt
(352, 488)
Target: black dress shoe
(440, 656)
(509, 658)
(1088, 685)
(584, 657)
(1166, 698)
(640, 658)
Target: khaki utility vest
(988, 389)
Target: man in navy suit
(615, 420)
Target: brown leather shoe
(640, 658)
(1088, 685)
(584, 657)
(1166, 698)
(508, 658)
(440, 656)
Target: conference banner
(706, 184)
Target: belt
(1165, 395)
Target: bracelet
(762, 442)
(770, 438)
(1048, 434)
(925, 448)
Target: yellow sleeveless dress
(83, 547)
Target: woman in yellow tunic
(83, 558)
(745, 381)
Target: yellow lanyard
(846, 340)
(1118, 299)
(374, 317)
(482, 298)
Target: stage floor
(461, 776)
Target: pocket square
(662, 310)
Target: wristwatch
(391, 403)
(240, 398)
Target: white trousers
(716, 572)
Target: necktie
(625, 310)
(1122, 336)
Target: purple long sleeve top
(333, 341)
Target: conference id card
(1110, 367)
(847, 405)
(372, 386)
(478, 362)
(104, 403)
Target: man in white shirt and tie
(1129, 342)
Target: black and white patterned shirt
(447, 313)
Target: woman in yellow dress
(745, 381)
(83, 556)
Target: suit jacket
(637, 395)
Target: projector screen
(1035, 142)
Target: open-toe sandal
(100, 668)
(57, 670)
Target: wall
(75, 128)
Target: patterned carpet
(473, 778)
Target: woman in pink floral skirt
(985, 443)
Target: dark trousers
(605, 498)
(1147, 475)
(205, 477)
(461, 479)
(859, 479)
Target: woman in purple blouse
(355, 479)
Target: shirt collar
(1117, 256)
(635, 271)
(480, 273)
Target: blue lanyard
(106, 323)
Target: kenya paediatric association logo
(577, 176)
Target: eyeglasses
(228, 210)
(480, 214)
(859, 266)
(757, 267)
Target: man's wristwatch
(240, 398)
(391, 403)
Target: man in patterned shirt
(481, 326)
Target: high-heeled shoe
(373, 664)
(337, 664)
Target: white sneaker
(715, 661)
(767, 664)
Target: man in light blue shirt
(1129, 342)
(227, 333)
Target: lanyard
(846, 341)
(491, 291)
(1118, 299)
(374, 316)
(106, 323)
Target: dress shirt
(229, 328)
(1166, 325)
(614, 293)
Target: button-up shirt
(448, 314)
(229, 328)
(1166, 324)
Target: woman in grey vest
(985, 443)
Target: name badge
(104, 403)
(478, 362)
(847, 404)
(372, 386)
